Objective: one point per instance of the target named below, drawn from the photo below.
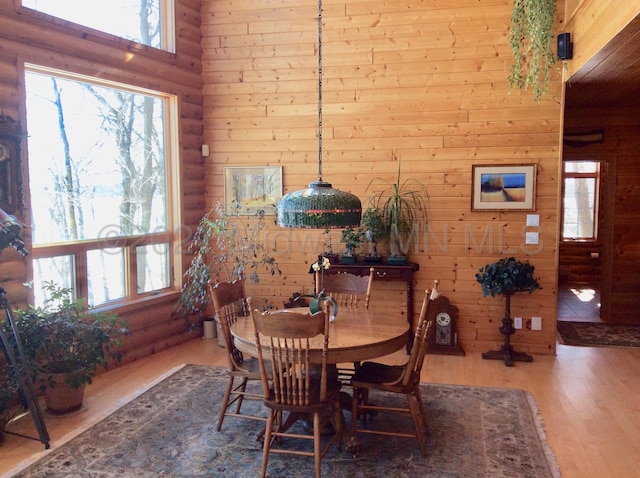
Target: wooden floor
(578, 303)
(589, 399)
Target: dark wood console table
(385, 272)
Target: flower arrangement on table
(319, 296)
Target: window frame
(167, 24)
(78, 249)
(597, 175)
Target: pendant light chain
(320, 90)
(319, 206)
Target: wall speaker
(565, 47)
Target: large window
(99, 163)
(581, 183)
(149, 22)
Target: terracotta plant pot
(62, 398)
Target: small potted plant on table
(375, 230)
(352, 239)
(507, 277)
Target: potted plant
(66, 343)
(224, 247)
(374, 230)
(530, 37)
(404, 206)
(352, 239)
(8, 388)
(507, 277)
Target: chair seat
(374, 372)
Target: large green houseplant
(506, 277)
(8, 397)
(225, 247)
(66, 343)
(403, 205)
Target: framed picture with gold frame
(503, 187)
(249, 189)
(11, 179)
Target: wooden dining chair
(229, 302)
(350, 291)
(298, 386)
(399, 379)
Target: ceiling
(612, 77)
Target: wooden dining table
(354, 336)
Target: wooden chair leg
(241, 391)
(225, 401)
(268, 439)
(422, 410)
(340, 423)
(417, 424)
(355, 400)
(317, 449)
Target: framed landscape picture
(250, 189)
(503, 188)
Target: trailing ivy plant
(531, 38)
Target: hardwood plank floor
(588, 398)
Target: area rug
(170, 430)
(597, 334)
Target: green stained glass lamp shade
(319, 207)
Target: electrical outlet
(536, 323)
(517, 322)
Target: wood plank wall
(59, 44)
(621, 222)
(421, 81)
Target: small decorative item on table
(352, 239)
(319, 296)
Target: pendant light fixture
(319, 206)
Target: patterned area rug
(594, 334)
(169, 430)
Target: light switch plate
(517, 322)
(532, 238)
(533, 219)
(536, 323)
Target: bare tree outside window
(97, 173)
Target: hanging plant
(530, 38)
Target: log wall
(54, 43)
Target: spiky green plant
(403, 204)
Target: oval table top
(355, 335)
